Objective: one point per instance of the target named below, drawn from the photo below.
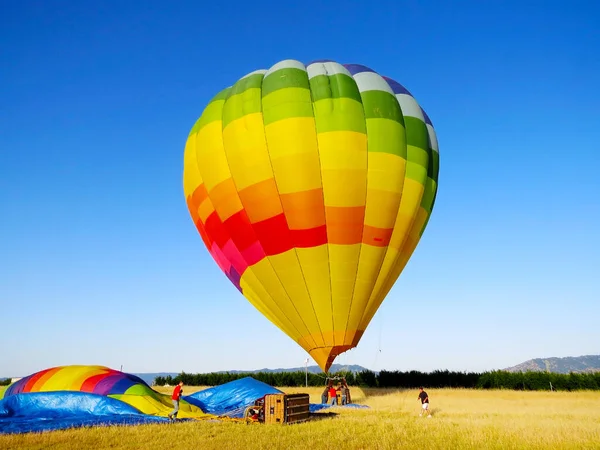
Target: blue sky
(100, 262)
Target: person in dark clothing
(424, 402)
(344, 391)
(324, 395)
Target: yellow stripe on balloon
(210, 155)
(292, 146)
(246, 152)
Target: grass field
(462, 419)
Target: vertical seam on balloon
(324, 208)
(428, 179)
(436, 169)
(396, 218)
(210, 199)
(409, 229)
(249, 268)
(362, 235)
(252, 226)
(266, 256)
(287, 225)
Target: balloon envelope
(311, 186)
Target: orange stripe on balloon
(39, 384)
(345, 224)
(199, 194)
(32, 381)
(377, 237)
(261, 200)
(304, 209)
(192, 208)
(225, 199)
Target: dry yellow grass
(462, 419)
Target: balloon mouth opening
(325, 356)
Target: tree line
(499, 379)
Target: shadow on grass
(383, 392)
(322, 416)
(433, 412)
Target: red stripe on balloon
(90, 383)
(203, 234)
(240, 229)
(273, 235)
(311, 237)
(215, 230)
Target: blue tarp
(314, 407)
(45, 411)
(231, 399)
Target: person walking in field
(424, 402)
(175, 398)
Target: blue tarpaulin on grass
(231, 399)
(45, 411)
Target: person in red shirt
(175, 397)
(332, 395)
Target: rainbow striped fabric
(92, 379)
(103, 381)
(311, 186)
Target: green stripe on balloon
(285, 104)
(386, 136)
(244, 99)
(380, 104)
(339, 114)
(334, 86)
(284, 78)
(212, 112)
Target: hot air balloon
(311, 186)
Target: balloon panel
(311, 186)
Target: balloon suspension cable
(374, 366)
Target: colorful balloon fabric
(103, 381)
(311, 187)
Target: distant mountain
(312, 369)
(577, 364)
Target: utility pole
(306, 367)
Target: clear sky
(100, 262)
